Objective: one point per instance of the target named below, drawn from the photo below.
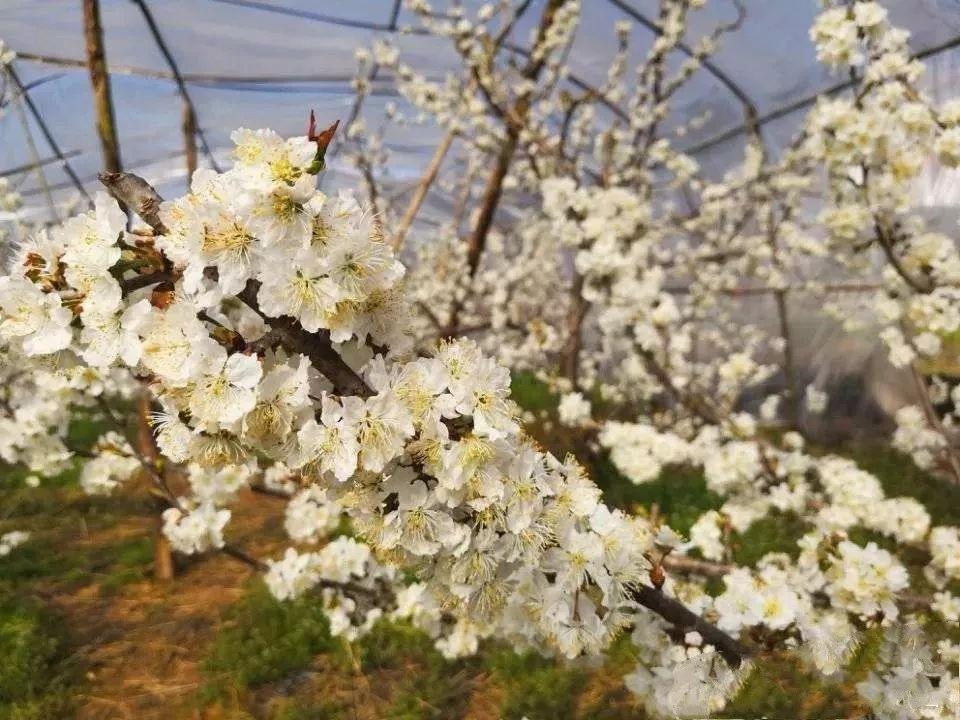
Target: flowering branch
(683, 620)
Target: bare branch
(684, 564)
(141, 281)
(423, 187)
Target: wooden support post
(100, 81)
(110, 149)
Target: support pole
(163, 567)
(100, 82)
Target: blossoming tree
(287, 349)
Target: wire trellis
(341, 83)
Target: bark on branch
(316, 346)
(137, 194)
(141, 281)
(684, 619)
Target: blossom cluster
(253, 355)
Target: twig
(934, 419)
(423, 187)
(886, 244)
(238, 554)
(684, 564)
(270, 492)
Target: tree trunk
(163, 567)
(570, 355)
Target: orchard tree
(287, 349)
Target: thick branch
(570, 355)
(270, 492)
(683, 619)
(316, 346)
(792, 392)
(188, 127)
(491, 199)
(141, 281)
(488, 208)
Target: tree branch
(707, 568)
(684, 619)
(924, 287)
(423, 187)
(137, 194)
(141, 281)
(238, 554)
(570, 353)
(316, 346)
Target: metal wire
(47, 134)
(177, 77)
(808, 100)
(181, 79)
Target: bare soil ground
(142, 643)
